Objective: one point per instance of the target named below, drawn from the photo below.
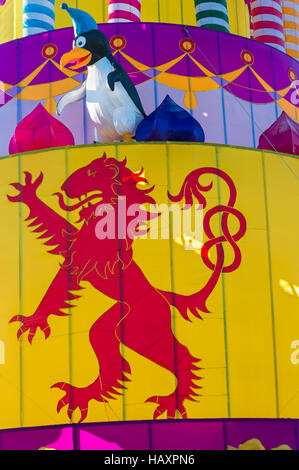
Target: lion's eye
(80, 41)
(91, 172)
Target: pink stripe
(266, 11)
(268, 24)
(125, 15)
(270, 39)
(132, 3)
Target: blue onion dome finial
(170, 122)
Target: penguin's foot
(127, 137)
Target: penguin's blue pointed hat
(82, 21)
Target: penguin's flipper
(122, 76)
(71, 97)
(113, 77)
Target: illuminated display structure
(180, 341)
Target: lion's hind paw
(75, 398)
(169, 404)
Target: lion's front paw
(27, 190)
(31, 323)
(169, 404)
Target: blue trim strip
(31, 23)
(33, 8)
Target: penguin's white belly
(113, 112)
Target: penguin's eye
(80, 41)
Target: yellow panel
(249, 331)
(93, 304)
(150, 11)
(189, 276)
(7, 20)
(10, 403)
(170, 13)
(42, 364)
(283, 203)
(189, 16)
(238, 15)
(253, 316)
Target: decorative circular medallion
(247, 57)
(49, 51)
(187, 45)
(292, 75)
(118, 42)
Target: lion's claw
(168, 404)
(31, 324)
(75, 398)
(28, 189)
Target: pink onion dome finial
(39, 130)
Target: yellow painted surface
(245, 343)
(238, 15)
(284, 274)
(163, 11)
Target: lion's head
(103, 180)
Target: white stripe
(293, 5)
(292, 32)
(274, 18)
(268, 32)
(276, 46)
(292, 46)
(210, 6)
(42, 3)
(292, 18)
(125, 1)
(30, 31)
(38, 16)
(123, 7)
(218, 21)
(265, 3)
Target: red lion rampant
(141, 315)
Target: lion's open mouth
(91, 196)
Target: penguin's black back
(127, 84)
(98, 44)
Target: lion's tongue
(75, 206)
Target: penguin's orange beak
(76, 58)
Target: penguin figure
(112, 100)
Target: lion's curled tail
(192, 189)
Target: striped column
(248, 4)
(212, 14)
(290, 14)
(268, 23)
(38, 16)
(124, 11)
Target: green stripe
(202, 2)
(212, 14)
(215, 27)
